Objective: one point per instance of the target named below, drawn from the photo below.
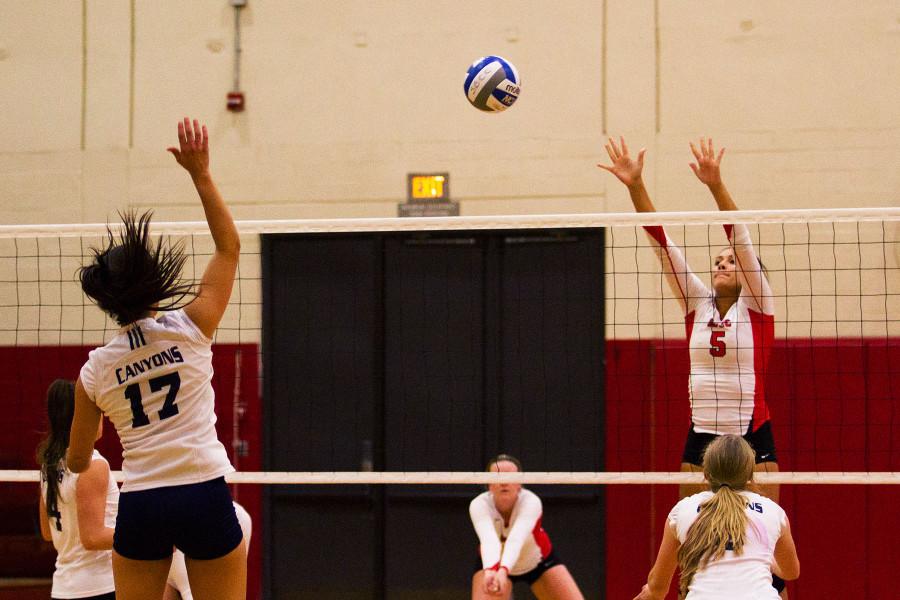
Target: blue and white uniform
(153, 381)
(79, 573)
(747, 576)
(178, 577)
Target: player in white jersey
(730, 328)
(153, 381)
(77, 510)
(178, 587)
(727, 541)
(514, 546)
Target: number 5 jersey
(728, 353)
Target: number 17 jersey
(153, 382)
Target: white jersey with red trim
(747, 576)
(518, 545)
(153, 381)
(178, 577)
(729, 353)
(79, 573)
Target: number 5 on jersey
(716, 344)
(169, 408)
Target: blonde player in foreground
(78, 510)
(154, 382)
(514, 546)
(178, 586)
(727, 541)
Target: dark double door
(426, 352)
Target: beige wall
(345, 97)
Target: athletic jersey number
(717, 344)
(169, 408)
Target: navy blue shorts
(198, 519)
(761, 440)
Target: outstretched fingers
(696, 154)
(612, 154)
(182, 133)
(618, 153)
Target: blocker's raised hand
(707, 166)
(623, 166)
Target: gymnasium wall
(344, 98)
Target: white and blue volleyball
(492, 84)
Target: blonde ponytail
(722, 521)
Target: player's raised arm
(685, 285)
(629, 171)
(749, 270)
(215, 288)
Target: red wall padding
(835, 406)
(25, 373)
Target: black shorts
(109, 596)
(761, 440)
(198, 519)
(533, 575)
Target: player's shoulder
(691, 504)
(526, 496)
(178, 322)
(482, 498)
(762, 504)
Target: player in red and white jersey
(77, 510)
(153, 381)
(514, 546)
(728, 541)
(730, 325)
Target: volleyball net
(409, 351)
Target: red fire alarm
(236, 101)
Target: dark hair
(132, 277)
(504, 458)
(51, 452)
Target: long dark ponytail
(52, 450)
(132, 276)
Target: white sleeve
(754, 285)
(487, 535)
(530, 510)
(188, 327)
(687, 287)
(88, 381)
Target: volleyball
(492, 84)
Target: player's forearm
(101, 539)
(722, 197)
(658, 584)
(640, 198)
(221, 224)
